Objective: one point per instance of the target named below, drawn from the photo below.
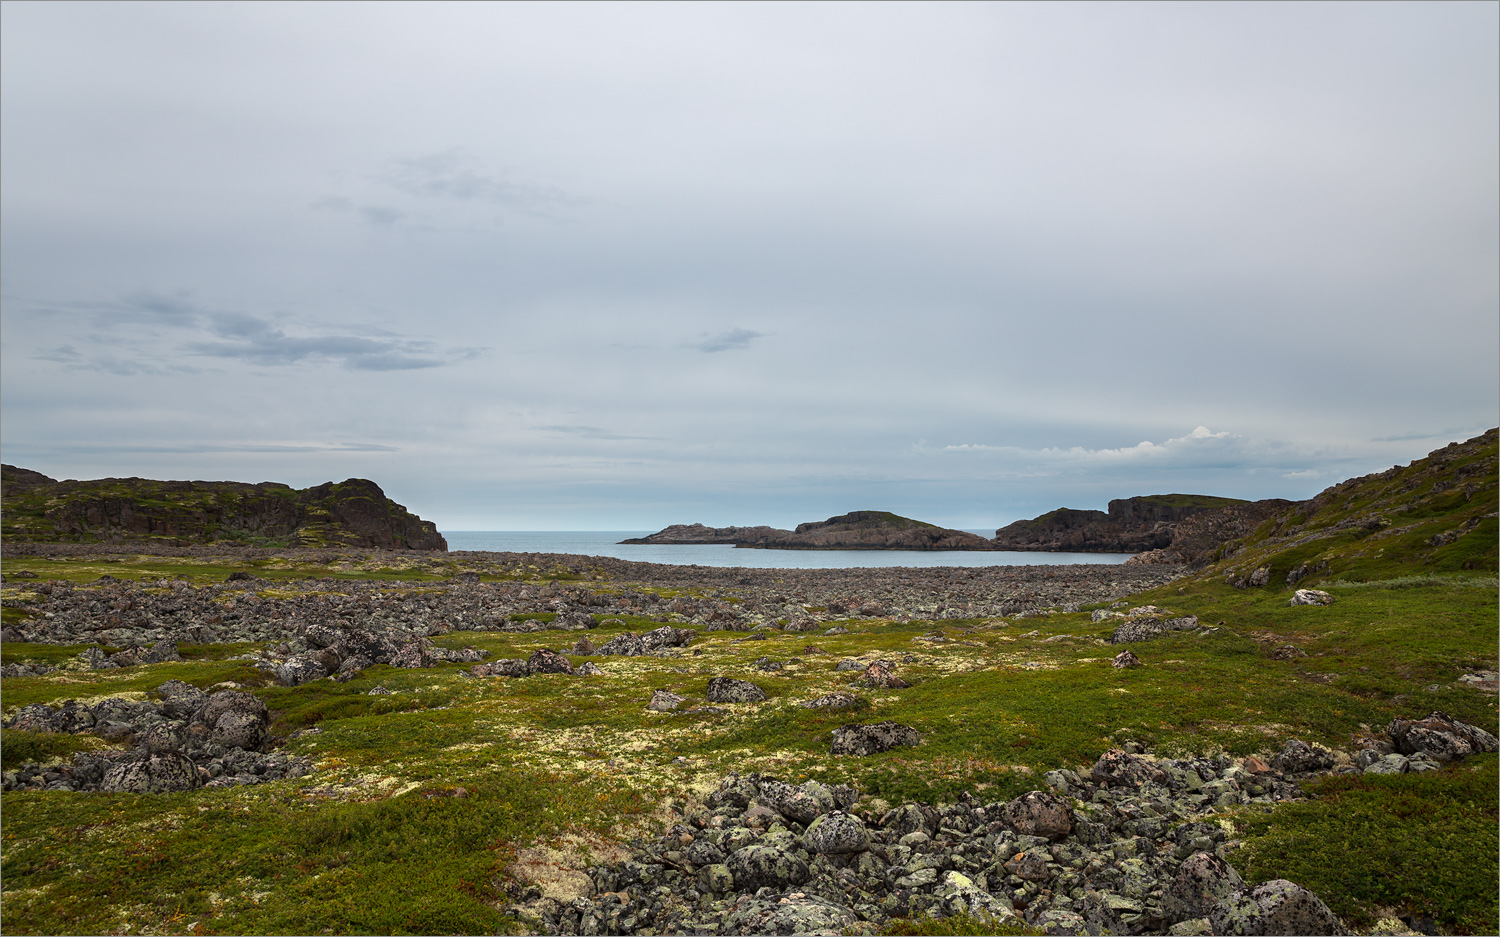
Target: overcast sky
(614, 266)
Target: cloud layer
(621, 266)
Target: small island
(857, 530)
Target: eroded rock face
(730, 690)
(861, 740)
(1275, 907)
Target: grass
(370, 841)
(1421, 844)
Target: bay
(607, 543)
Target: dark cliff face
(1132, 525)
(353, 513)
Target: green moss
(1422, 844)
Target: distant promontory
(857, 530)
(351, 513)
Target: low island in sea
(1174, 528)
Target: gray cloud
(1032, 237)
(732, 340)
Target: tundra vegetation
(426, 807)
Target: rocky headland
(352, 513)
(1138, 525)
(857, 530)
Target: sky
(617, 266)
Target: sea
(607, 543)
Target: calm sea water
(607, 543)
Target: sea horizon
(607, 543)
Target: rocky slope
(857, 530)
(1434, 515)
(353, 513)
(1132, 525)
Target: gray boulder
(791, 801)
(295, 671)
(546, 661)
(180, 700)
(1310, 597)
(730, 690)
(1275, 907)
(831, 701)
(507, 667)
(666, 636)
(1138, 629)
(1439, 736)
(766, 866)
(235, 719)
(1202, 881)
(838, 834)
(624, 645)
(151, 773)
(1298, 757)
(664, 701)
(801, 914)
(1039, 813)
(1125, 658)
(880, 676)
(864, 740)
(411, 656)
(1118, 768)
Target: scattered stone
(1440, 737)
(831, 701)
(1287, 652)
(506, 667)
(665, 701)
(1126, 658)
(730, 690)
(879, 675)
(547, 661)
(589, 669)
(1311, 597)
(861, 740)
(1298, 757)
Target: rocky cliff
(857, 530)
(1132, 525)
(353, 513)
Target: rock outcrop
(857, 530)
(1137, 525)
(352, 513)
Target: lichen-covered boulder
(666, 636)
(1310, 597)
(763, 865)
(701, 852)
(664, 701)
(1274, 907)
(624, 645)
(862, 740)
(1138, 629)
(1298, 757)
(1125, 658)
(160, 738)
(35, 717)
(837, 834)
(1119, 768)
(235, 719)
(791, 801)
(1202, 881)
(831, 701)
(1039, 813)
(158, 773)
(730, 690)
(507, 667)
(180, 700)
(877, 675)
(295, 671)
(547, 661)
(411, 656)
(1439, 736)
(801, 914)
